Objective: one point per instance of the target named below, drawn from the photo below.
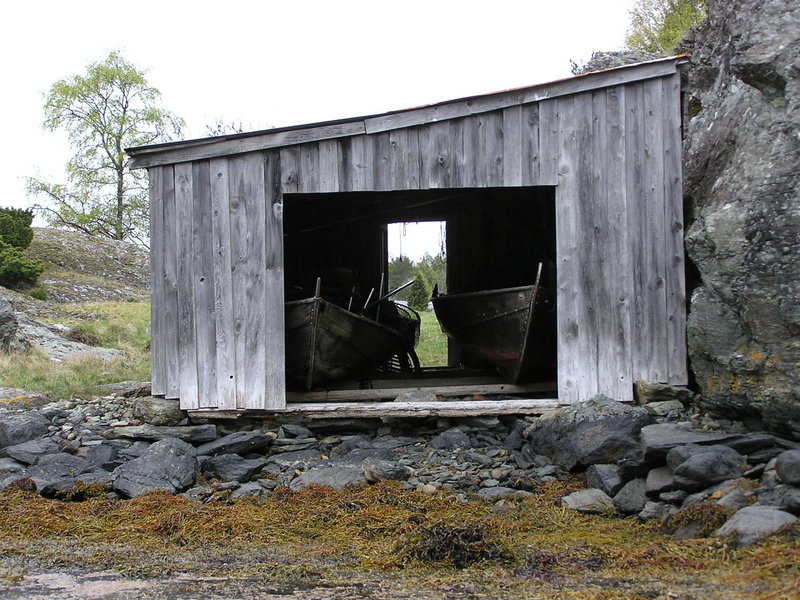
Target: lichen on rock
(741, 154)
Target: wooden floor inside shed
(457, 394)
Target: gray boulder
(158, 411)
(249, 490)
(660, 438)
(493, 493)
(631, 498)
(238, 442)
(10, 339)
(659, 480)
(706, 469)
(741, 185)
(599, 431)
(376, 470)
(232, 467)
(604, 477)
(590, 502)
(650, 392)
(333, 474)
(292, 430)
(29, 452)
(656, 511)
(680, 454)
(785, 497)
(788, 467)
(752, 523)
(16, 429)
(169, 464)
(9, 466)
(734, 499)
(452, 439)
(55, 466)
(189, 433)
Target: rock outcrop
(741, 176)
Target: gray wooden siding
(613, 154)
(217, 258)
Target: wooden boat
(491, 326)
(325, 342)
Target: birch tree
(103, 111)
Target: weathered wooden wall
(217, 282)
(613, 154)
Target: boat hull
(492, 327)
(325, 342)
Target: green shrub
(17, 269)
(15, 227)
(40, 293)
(420, 292)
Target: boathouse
(582, 175)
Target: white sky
(274, 63)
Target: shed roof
(210, 147)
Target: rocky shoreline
(658, 461)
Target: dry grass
(122, 325)
(533, 550)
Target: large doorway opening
(489, 239)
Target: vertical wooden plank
(457, 133)
(473, 150)
(369, 162)
(589, 228)
(381, 162)
(170, 309)
(239, 249)
(613, 360)
(615, 368)
(290, 170)
(654, 231)
(274, 341)
(158, 367)
(530, 152)
(399, 167)
(675, 283)
(355, 164)
(434, 145)
(549, 142)
(512, 146)
(567, 240)
(309, 168)
(225, 355)
(636, 216)
(328, 165)
(492, 147)
(203, 274)
(187, 343)
(250, 301)
(414, 168)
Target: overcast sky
(275, 63)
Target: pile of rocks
(135, 445)
(662, 470)
(638, 460)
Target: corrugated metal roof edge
(139, 151)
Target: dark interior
(496, 238)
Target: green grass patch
(121, 325)
(432, 345)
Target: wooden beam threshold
(350, 410)
(388, 390)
